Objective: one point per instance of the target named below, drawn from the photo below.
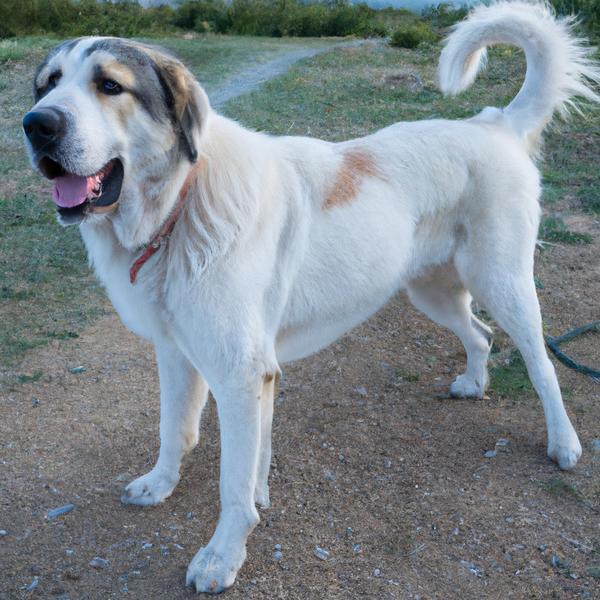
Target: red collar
(162, 237)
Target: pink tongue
(72, 190)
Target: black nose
(44, 127)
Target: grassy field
(46, 290)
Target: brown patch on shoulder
(356, 165)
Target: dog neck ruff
(162, 237)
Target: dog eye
(53, 79)
(110, 87)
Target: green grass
(509, 379)
(214, 58)
(557, 486)
(553, 229)
(407, 375)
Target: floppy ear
(186, 101)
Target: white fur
(559, 65)
(259, 272)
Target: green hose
(554, 342)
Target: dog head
(113, 122)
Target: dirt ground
(372, 462)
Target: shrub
(203, 15)
(412, 34)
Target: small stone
(596, 445)
(502, 442)
(277, 546)
(349, 531)
(61, 510)
(472, 568)
(543, 547)
(455, 531)
(321, 553)
(328, 475)
(278, 555)
(387, 463)
(190, 515)
(35, 402)
(178, 546)
(357, 548)
(555, 561)
(99, 563)
(3, 532)
(69, 552)
(146, 546)
(490, 454)
(377, 573)
(361, 390)
(33, 584)
(78, 370)
(573, 576)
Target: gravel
(99, 563)
(321, 553)
(61, 510)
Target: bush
(412, 34)
(444, 15)
(203, 15)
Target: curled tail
(559, 64)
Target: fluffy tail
(559, 64)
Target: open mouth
(76, 196)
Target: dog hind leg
(443, 298)
(504, 283)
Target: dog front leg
(215, 566)
(183, 394)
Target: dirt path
(252, 78)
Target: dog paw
(467, 387)
(565, 451)
(211, 573)
(149, 489)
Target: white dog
(261, 250)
